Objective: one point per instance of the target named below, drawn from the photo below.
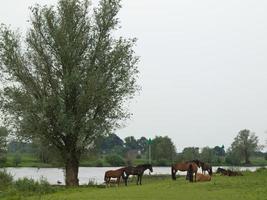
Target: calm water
(86, 174)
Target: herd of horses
(125, 172)
(191, 167)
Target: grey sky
(203, 67)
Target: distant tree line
(115, 151)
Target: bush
(232, 159)
(99, 163)
(3, 160)
(162, 162)
(5, 179)
(115, 160)
(31, 186)
(261, 169)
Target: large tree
(245, 143)
(67, 82)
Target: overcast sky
(203, 67)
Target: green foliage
(219, 151)
(131, 143)
(190, 153)
(17, 159)
(115, 160)
(3, 145)
(233, 158)
(261, 169)
(110, 144)
(163, 148)
(245, 144)
(5, 179)
(31, 186)
(68, 81)
(142, 144)
(207, 155)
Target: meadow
(251, 186)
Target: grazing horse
(203, 177)
(184, 166)
(205, 167)
(118, 173)
(138, 170)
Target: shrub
(115, 160)
(162, 162)
(99, 163)
(5, 179)
(261, 169)
(31, 186)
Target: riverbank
(251, 186)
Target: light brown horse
(118, 173)
(184, 166)
(203, 177)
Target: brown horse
(203, 177)
(183, 167)
(118, 173)
(205, 167)
(228, 172)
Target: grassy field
(251, 186)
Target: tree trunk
(72, 168)
(247, 158)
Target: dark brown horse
(184, 167)
(118, 173)
(222, 171)
(205, 167)
(228, 172)
(138, 170)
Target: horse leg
(125, 180)
(118, 181)
(137, 179)
(108, 182)
(141, 179)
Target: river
(86, 174)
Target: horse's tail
(173, 173)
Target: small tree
(245, 143)
(190, 153)
(207, 155)
(163, 149)
(68, 83)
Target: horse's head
(150, 168)
(219, 170)
(197, 162)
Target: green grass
(251, 186)
(27, 160)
